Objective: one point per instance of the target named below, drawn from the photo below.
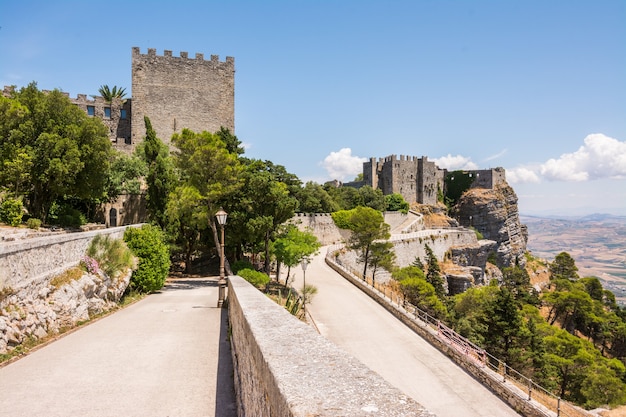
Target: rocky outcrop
(43, 308)
(494, 213)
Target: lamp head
(221, 216)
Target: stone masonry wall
(284, 368)
(181, 92)
(32, 304)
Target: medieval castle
(174, 92)
(198, 94)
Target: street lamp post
(305, 263)
(221, 219)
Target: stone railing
(284, 368)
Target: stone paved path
(167, 355)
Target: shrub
(33, 223)
(239, 265)
(258, 279)
(148, 244)
(66, 216)
(110, 255)
(11, 212)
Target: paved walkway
(352, 320)
(167, 355)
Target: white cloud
(600, 157)
(457, 162)
(342, 164)
(522, 175)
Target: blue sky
(537, 87)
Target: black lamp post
(305, 263)
(221, 219)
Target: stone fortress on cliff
(419, 180)
(174, 92)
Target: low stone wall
(515, 398)
(33, 304)
(28, 261)
(284, 368)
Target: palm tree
(109, 94)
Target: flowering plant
(90, 264)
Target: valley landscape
(596, 242)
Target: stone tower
(181, 92)
(417, 179)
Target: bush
(110, 255)
(239, 265)
(342, 218)
(33, 223)
(11, 212)
(66, 216)
(258, 279)
(148, 244)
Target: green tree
(125, 176)
(433, 273)
(206, 165)
(293, 246)
(395, 202)
(313, 198)
(53, 150)
(186, 217)
(160, 179)
(505, 334)
(563, 267)
(233, 145)
(372, 198)
(270, 205)
(418, 291)
(367, 225)
(381, 256)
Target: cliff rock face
(494, 213)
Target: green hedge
(258, 279)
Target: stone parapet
(284, 368)
(28, 261)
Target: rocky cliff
(495, 215)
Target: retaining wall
(284, 368)
(28, 261)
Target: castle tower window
(127, 140)
(91, 110)
(107, 112)
(122, 114)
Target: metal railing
(543, 401)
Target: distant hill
(597, 242)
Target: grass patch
(66, 277)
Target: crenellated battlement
(183, 55)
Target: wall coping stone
(283, 367)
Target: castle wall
(488, 178)
(115, 115)
(418, 179)
(181, 92)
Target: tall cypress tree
(160, 175)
